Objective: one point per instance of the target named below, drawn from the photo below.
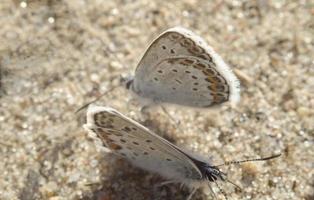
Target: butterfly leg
(212, 193)
(177, 122)
(145, 109)
(166, 183)
(222, 192)
(131, 101)
(191, 194)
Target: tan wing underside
(183, 44)
(130, 139)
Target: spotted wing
(179, 67)
(129, 139)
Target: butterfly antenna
(107, 49)
(249, 160)
(87, 104)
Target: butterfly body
(180, 68)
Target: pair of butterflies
(180, 68)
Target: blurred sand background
(57, 55)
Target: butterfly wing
(129, 139)
(179, 67)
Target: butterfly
(145, 149)
(180, 68)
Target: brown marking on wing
(187, 42)
(196, 50)
(210, 72)
(103, 120)
(217, 83)
(172, 61)
(199, 66)
(173, 36)
(219, 98)
(207, 57)
(190, 45)
(105, 136)
(127, 129)
(114, 146)
(186, 62)
(222, 88)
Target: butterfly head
(213, 173)
(127, 81)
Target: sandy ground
(57, 55)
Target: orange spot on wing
(195, 50)
(114, 146)
(186, 62)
